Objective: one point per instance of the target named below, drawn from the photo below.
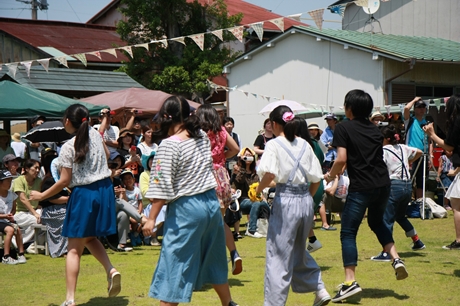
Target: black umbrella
(50, 131)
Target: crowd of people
(182, 170)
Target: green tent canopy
(21, 102)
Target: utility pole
(35, 5)
(34, 9)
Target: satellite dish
(372, 7)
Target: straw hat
(376, 115)
(16, 137)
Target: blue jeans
(375, 201)
(400, 195)
(252, 209)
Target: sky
(83, 10)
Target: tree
(178, 68)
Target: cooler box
(437, 152)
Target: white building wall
(302, 69)
(428, 18)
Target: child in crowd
(292, 164)
(133, 196)
(359, 146)
(445, 180)
(7, 224)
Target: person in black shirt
(262, 139)
(359, 146)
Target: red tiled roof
(68, 37)
(251, 13)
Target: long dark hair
(209, 118)
(302, 131)
(289, 126)
(177, 110)
(391, 133)
(452, 111)
(78, 116)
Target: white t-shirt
(6, 204)
(93, 169)
(134, 196)
(394, 164)
(146, 150)
(342, 186)
(278, 162)
(19, 148)
(111, 134)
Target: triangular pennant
(12, 69)
(233, 88)
(295, 17)
(377, 108)
(62, 60)
(179, 40)
(341, 107)
(198, 39)
(246, 93)
(363, 3)
(45, 62)
(268, 99)
(81, 57)
(27, 65)
(338, 9)
(401, 107)
(128, 49)
(322, 109)
(237, 32)
(96, 53)
(388, 110)
(314, 106)
(254, 94)
(218, 34)
(145, 46)
(317, 16)
(164, 42)
(111, 51)
(331, 107)
(258, 27)
(263, 97)
(279, 22)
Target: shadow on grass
(411, 254)
(456, 273)
(102, 301)
(233, 282)
(376, 293)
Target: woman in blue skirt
(292, 164)
(91, 208)
(193, 251)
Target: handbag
(437, 210)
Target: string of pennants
(324, 109)
(237, 31)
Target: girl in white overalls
(292, 164)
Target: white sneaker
(154, 242)
(322, 298)
(9, 261)
(22, 259)
(315, 246)
(255, 235)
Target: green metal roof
(402, 47)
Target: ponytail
(78, 116)
(283, 116)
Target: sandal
(68, 303)
(114, 284)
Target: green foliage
(177, 69)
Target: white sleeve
(314, 170)
(269, 162)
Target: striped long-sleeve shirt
(181, 168)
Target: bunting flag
(179, 40)
(111, 51)
(145, 46)
(322, 109)
(218, 34)
(338, 9)
(27, 65)
(268, 99)
(246, 93)
(198, 39)
(96, 53)
(363, 3)
(388, 110)
(331, 108)
(279, 22)
(401, 108)
(12, 69)
(164, 42)
(258, 27)
(45, 62)
(341, 107)
(128, 49)
(317, 16)
(62, 60)
(233, 88)
(314, 106)
(377, 108)
(295, 17)
(81, 57)
(254, 94)
(237, 32)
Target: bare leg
(19, 241)
(223, 291)
(72, 265)
(455, 203)
(391, 249)
(322, 214)
(231, 246)
(236, 226)
(163, 303)
(98, 251)
(350, 273)
(9, 231)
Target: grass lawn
(434, 273)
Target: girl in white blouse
(292, 164)
(91, 207)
